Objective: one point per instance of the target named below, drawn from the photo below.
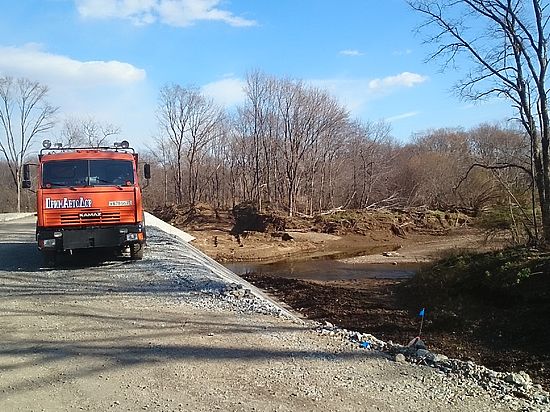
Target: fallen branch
(391, 198)
(493, 167)
(331, 211)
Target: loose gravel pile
(515, 389)
(187, 272)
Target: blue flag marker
(421, 314)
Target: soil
(360, 237)
(494, 336)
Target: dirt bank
(377, 247)
(247, 235)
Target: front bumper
(62, 239)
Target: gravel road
(167, 334)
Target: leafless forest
(294, 148)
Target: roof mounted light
(46, 144)
(58, 145)
(125, 144)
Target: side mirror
(26, 184)
(147, 171)
(26, 172)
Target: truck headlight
(132, 236)
(49, 242)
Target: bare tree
(305, 115)
(87, 132)
(24, 115)
(370, 161)
(71, 133)
(291, 146)
(161, 154)
(255, 115)
(204, 126)
(507, 42)
(189, 121)
(173, 116)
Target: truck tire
(136, 251)
(49, 258)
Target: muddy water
(325, 269)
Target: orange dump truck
(88, 198)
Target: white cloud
(405, 79)
(29, 61)
(401, 116)
(356, 93)
(179, 13)
(226, 92)
(108, 91)
(349, 52)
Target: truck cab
(89, 197)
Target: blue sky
(108, 58)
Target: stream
(325, 269)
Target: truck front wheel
(136, 251)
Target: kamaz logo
(90, 214)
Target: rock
(420, 344)
(511, 388)
(356, 336)
(438, 357)
(390, 254)
(520, 379)
(540, 398)
(400, 358)
(417, 343)
(526, 377)
(286, 237)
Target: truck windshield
(70, 173)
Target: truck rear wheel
(136, 251)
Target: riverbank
(479, 330)
(388, 236)
(501, 337)
(378, 247)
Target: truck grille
(89, 216)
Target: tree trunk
(18, 188)
(18, 198)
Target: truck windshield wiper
(60, 185)
(110, 183)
